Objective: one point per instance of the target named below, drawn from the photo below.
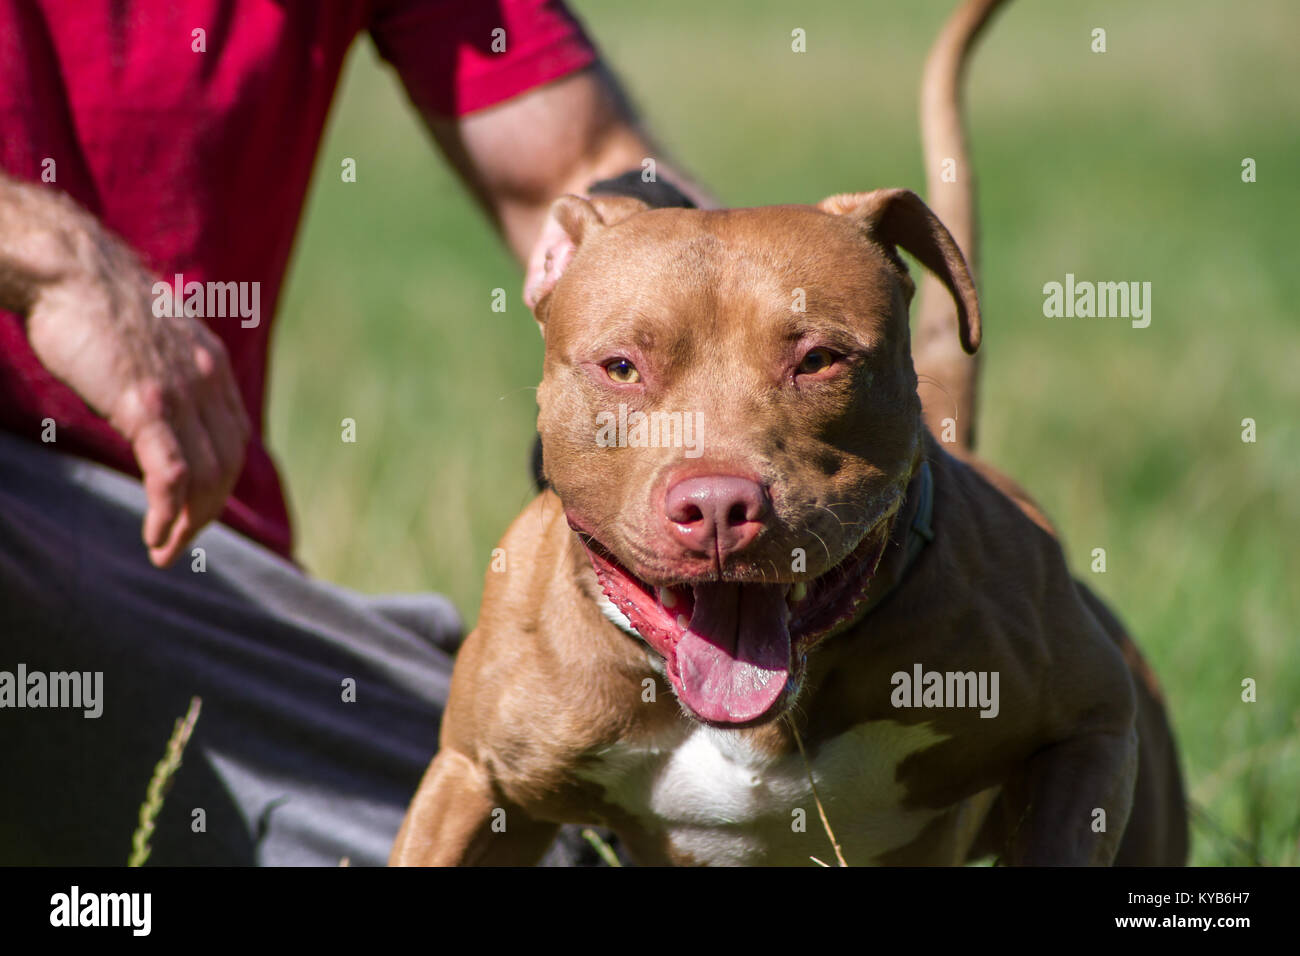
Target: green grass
(1115, 166)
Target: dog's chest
(716, 799)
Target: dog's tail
(947, 374)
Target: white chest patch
(722, 802)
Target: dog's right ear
(897, 218)
(571, 221)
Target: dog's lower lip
(814, 606)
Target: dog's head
(729, 414)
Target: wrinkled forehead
(770, 261)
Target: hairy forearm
(521, 215)
(519, 157)
(36, 243)
(163, 383)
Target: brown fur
(546, 684)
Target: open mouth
(734, 651)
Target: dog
(759, 591)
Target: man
(150, 139)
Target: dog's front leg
(458, 819)
(1071, 803)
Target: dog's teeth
(667, 598)
(798, 592)
(682, 622)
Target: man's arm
(520, 156)
(165, 384)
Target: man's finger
(162, 462)
(178, 536)
(204, 495)
(203, 490)
(229, 438)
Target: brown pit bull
(751, 532)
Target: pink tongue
(735, 656)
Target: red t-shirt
(200, 160)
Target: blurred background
(1117, 166)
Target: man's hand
(164, 383)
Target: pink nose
(716, 513)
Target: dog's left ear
(897, 218)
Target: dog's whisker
(823, 543)
(516, 391)
(776, 572)
(931, 380)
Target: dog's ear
(571, 221)
(897, 218)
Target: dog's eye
(815, 361)
(622, 371)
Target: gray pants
(285, 767)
